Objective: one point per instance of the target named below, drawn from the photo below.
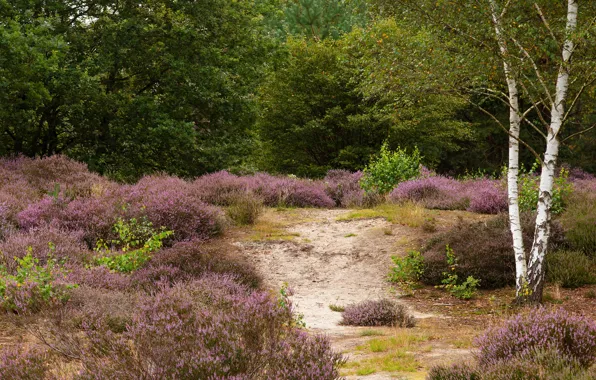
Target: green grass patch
(409, 214)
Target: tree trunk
(521, 271)
(542, 232)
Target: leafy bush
(579, 219)
(529, 189)
(389, 168)
(212, 328)
(377, 313)
(244, 209)
(407, 270)
(483, 251)
(32, 286)
(464, 290)
(22, 364)
(570, 336)
(136, 241)
(571, 269)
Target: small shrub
(389, 168)
(245, 209)
(377, 313)
(291, 192)
(429, 225)
(529, 189)
(221, 188)
(571, 269)
(464, 290)
(344, 188)
(17, 363)
(337, 308)
(570, 336)
(136, 241)
(486, 196)
(33, 286)
(454, 372)
(407, 270)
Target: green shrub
(571, 269)
(136, 242)
(407, 270)
(388, 169)
(529, 190)
(464, 290)
(33, 286)
(579, 221)
(245, 209)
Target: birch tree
(535, 42)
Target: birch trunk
(542, 232)
(513, 163)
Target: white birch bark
(513, 163)
(542, 232)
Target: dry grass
(409, 214)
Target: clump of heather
(382, 312)
(222, 188)
(291, 192)
(24, 364)
(435, 192)
(486, 196)
(571, 336)
(454, 372)
(169, 202)
(344, 188)
(206, 330)
(98, 277)
(44, 242)
(194, 259)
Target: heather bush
(454, 372)
(175, 208)
(221, 188)
(194, 259)
(70, 177)
(197, 330)
(98, 277)
(435, 192)
(570, 336)
(571, 269)
(244, 209)
(390, 168)
(291, 192)
(579, 219)
(344, 188)
(33, 286)
(17, 363)
(483, 251)
(382, 312)
(486, 196)
(45, 242)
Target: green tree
(131, 87)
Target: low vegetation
(382, 312)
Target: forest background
(284, 86)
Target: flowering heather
(22, 364)
(435, 192)
(486, 196)
(454, 372)
(344, 188)
(221, 188)
(98, 277)
(571, 336)
(291, 192)
(44, 242)
(377, 313)
(237, 334)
